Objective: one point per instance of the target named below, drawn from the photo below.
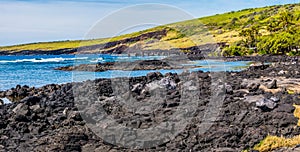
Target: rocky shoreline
(256, 102)
(126, 66)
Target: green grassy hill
(230, 28)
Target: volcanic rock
(272, 85)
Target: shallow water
(39, 70)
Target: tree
(250, 35)
(278, 43)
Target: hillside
(222, 28)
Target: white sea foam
(97, 60)
(6, 101)
(43, 60)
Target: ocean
(38, 70)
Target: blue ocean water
(39, 70)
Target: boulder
(21, 110)
(31, 100)
(275, 99)
(168, 83)
(10, 93)
(266, 104)
(229, 89)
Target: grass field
(217, 28)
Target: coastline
(240, 125)
(223, 82)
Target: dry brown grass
(274, 142)
(297, 113)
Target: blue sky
(27, 21)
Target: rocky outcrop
(56, 117)
(129, 66)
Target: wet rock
(1, 102)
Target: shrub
(234, 51)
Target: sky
(28, 21)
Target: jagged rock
(21, 109)
(50, 119)
(10, 93)
(137, 88)
(272, 85)
(31, 100)
(168, 83)
(266, 104)
(2, 94)
(253, 87)
(258, 66)
(281, 72)
(154, 75)
(229, 89)
(275, 99)
(36, 108)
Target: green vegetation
(282, 38)
(56, 45)
(267, 30)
